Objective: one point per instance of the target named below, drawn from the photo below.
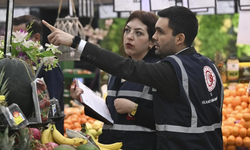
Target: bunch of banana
(60, 139)
(47, 135)
(113, 146)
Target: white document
(94, 103)
(244, 28)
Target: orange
(227, 100)
(234, 131)
(231, 147)
(224, 140)
(239, 85)
(67, 121)
(238, 125)
(236, 101)
(226, 93)
(224, 112)
(238, 116)
(242, 121)
(225, 132)
(241, 91)
(243, 132)
(246, 124)
(76, 125)
(229, 110)
(246, 110)
(238, 141)
(244, 98)
(231, 140)
(246, 116)
(239, 108)
(232, 92)
(83, 120)
(74, 119)
(246, 142)
(231, 121)
(248, 132)
(66, 126)
(244, 105)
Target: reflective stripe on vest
(194, 127)
(182, 129)
(122, 127)
(144, 94)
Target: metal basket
(73, 26)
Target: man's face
(23, 28)
(164, 40)
(19, 27)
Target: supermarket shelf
(74, 75)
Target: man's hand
(123, 105)
(75, 92)
(57, 36)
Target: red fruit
(42, 104)
(36, 133)
(51, 145)
(44, 118)
(47, 103)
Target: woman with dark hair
(131, 104)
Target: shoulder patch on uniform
(210, 78)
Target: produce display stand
(7, 50)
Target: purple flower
(22, 55)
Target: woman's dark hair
(181, 20)
(36, 27)
(147, 18)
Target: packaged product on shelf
(41, 99)
(13, 116)
(233, 69)
(55, 110)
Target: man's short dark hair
(181, 20)
(37, 26)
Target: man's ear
(36, 37)
(151, 44)
(180, 38)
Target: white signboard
(210, 11)
(244, 28)
(161, 4)
(145, 5)
(107, 11)
(201, 3)
(17, 12)
(225, 7)
(127, 5)
(244, 2)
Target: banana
(45, 135)
(50, 137)
(113, 146)
(60, 139)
